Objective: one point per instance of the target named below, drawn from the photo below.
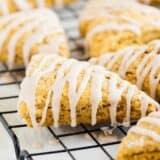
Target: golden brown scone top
(26, 33)
(142, 141)
(59, 91)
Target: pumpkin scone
(58, 91)
(26, 33)
(11, 6)
(138, 64)
(109, 25)
(142, 141)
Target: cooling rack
(80, 143)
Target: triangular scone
(11, 6)
(110, 25)
(139, 65)
(27, 33)
(59, 91)
(142, 141)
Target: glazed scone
(139, 65)
(11, 6)
(59, 91)
(142, 141)
(26, 33)
(109, 25)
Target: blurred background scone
(151, 2)
(26, 33)
(140, 65)
(10, 6)
(59, 91)
(109, 25)
(142, 141)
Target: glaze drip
(68, 72)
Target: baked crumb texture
(142, 141)
(139, 65)
(151, 2)
(110, 25)
(26, 33)
(11, 6)
(58, 91)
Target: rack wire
(82, 142)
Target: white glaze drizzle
(154, 81)
(33, 39)
(49, 70)
(155, 114)
(25, 5)
(102, 60)
(20, 15)
(4, 7)
(74, 95)
(106, 8)
(98, 77)
(68, 73)
(111, 10)
(150, 69)
(51, 47)
(129, 56)
(113, 60)
(122, 70)
(22, 5)
(150, 120)
(112, 27)
(130, 94)
(115, 93)
(38, 37)
(15, 20)
(144, 104)
(45, 29)
(29, 92)
(5, 31)
(131, 59)
(141, 72)
(13, 41)
(145, 132)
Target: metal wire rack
(80, 143)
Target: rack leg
(24, 155)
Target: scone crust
(117, 25)
(35, 33)
(142, 145)
(83, 108)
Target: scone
(27, 33)
(109, 25)
(142, 141)
(10, 6)
(151, 2)
(140, 65)
(58, 91)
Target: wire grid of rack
(80, 143)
